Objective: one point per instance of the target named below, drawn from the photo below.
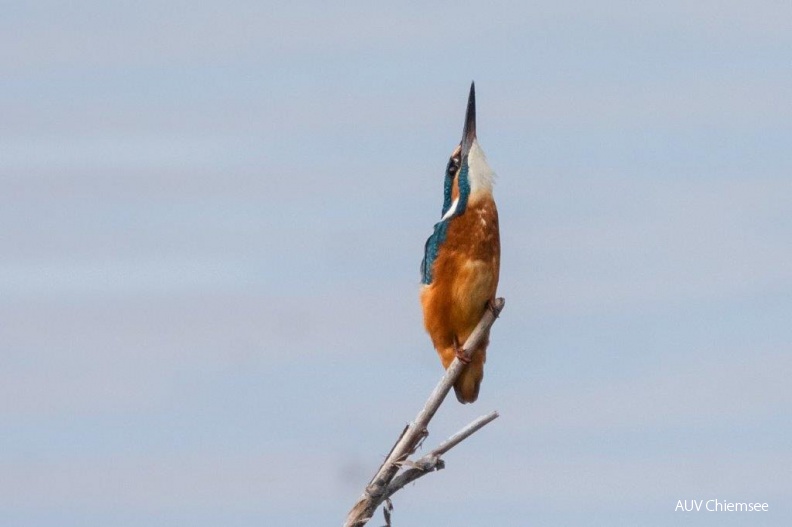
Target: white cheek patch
(451, 210)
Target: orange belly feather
(464, 278)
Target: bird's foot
(460, 353)
(493, 309)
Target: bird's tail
(467, 385)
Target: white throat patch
(480, 174)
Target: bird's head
(468, 176)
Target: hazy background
(211, 222)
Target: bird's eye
(453, 164)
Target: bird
(461, 264)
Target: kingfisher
(461, 264)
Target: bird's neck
(473, 183)
(480, 176)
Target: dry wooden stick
(376, 491)
(432, 461)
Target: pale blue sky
(213, 216)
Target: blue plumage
(448, 184)
(437, 238)
(431, 248)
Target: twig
(375, 491)
(431, 461)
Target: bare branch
(375, 491)
(431, 461)
(463, 434)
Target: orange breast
(464, 275)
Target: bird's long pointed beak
(469, 131)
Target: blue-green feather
(431, 248)
(437, 238)
(464, 188)
(447, 186)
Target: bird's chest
(467, 267)
(475, 234)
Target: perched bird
(461, 263)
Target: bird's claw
(460, 353)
